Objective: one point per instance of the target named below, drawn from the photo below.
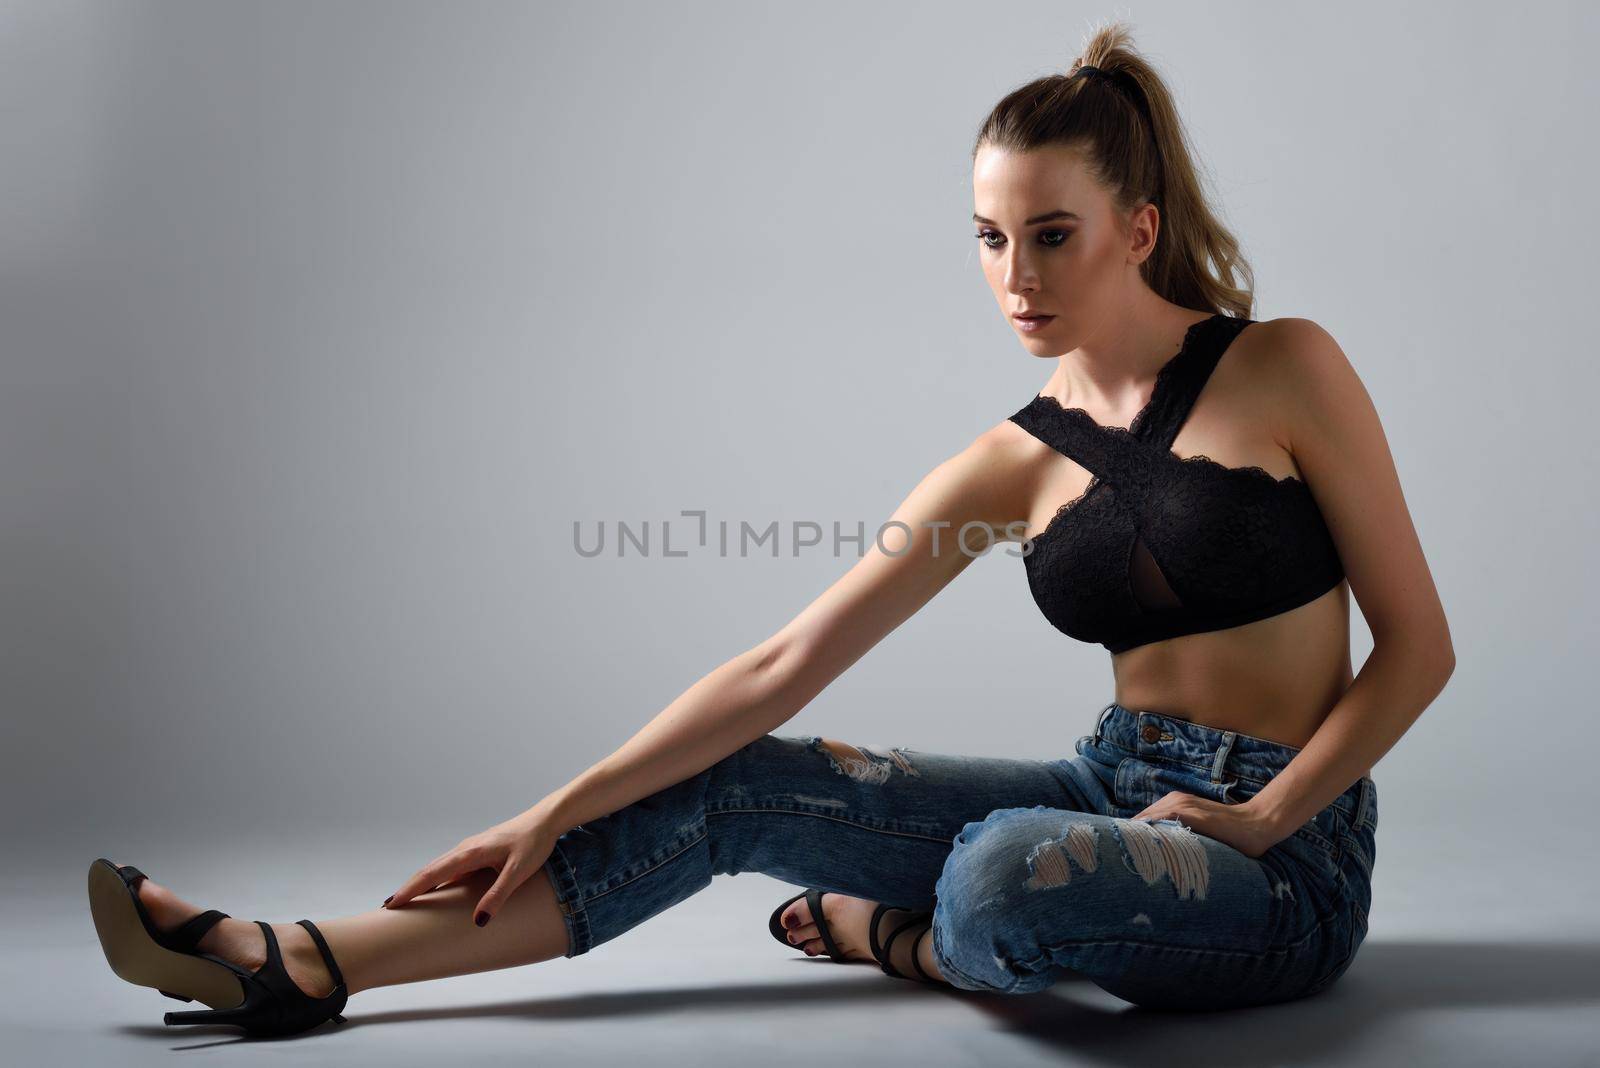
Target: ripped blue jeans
(1034, 870)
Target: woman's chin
(1041, 347)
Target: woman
(1226, 483)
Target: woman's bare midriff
(1276, 678)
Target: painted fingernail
(481, 918)
(387, 900)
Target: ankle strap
(327, 954)
(888, 944)
(916, 958)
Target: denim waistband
(1216, 753)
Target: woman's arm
(1337, 440)
(1332, 429)
(762, 688)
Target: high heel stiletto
(266, 1002)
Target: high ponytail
(1122, 116)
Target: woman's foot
(848, 918)
(241, 941)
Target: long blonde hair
(1124, 121)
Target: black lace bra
(1159, 545)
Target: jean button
(1150, 733)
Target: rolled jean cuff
(953, 975)
(565, 882)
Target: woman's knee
(997, 862)
(986, 898)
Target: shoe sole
(139, 959)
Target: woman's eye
(1048, 238)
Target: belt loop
(1363, 800)
(1100, 722)
(1222, 755)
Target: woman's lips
(1030, 324)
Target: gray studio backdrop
(323, 324)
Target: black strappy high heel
(880, 954)
(265, 1002)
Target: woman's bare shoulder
(1003, 463)
(1277, 365)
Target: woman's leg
(1148, 909)
(862, 821)
(866, 822)
(432, 937)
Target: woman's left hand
(1240, 826)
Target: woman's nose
(1019, 273)
(1017, 283)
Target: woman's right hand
(516, 849)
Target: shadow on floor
(1387, 981)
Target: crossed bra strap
(1132, 458)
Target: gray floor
(1476, 956)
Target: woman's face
(1051, 241)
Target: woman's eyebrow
(1046, 217)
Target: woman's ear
(1144, 226)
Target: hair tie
(1122, 82)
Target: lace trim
(1164, 376)
(1061, 513)
(1160, 393)
(1254, 471)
